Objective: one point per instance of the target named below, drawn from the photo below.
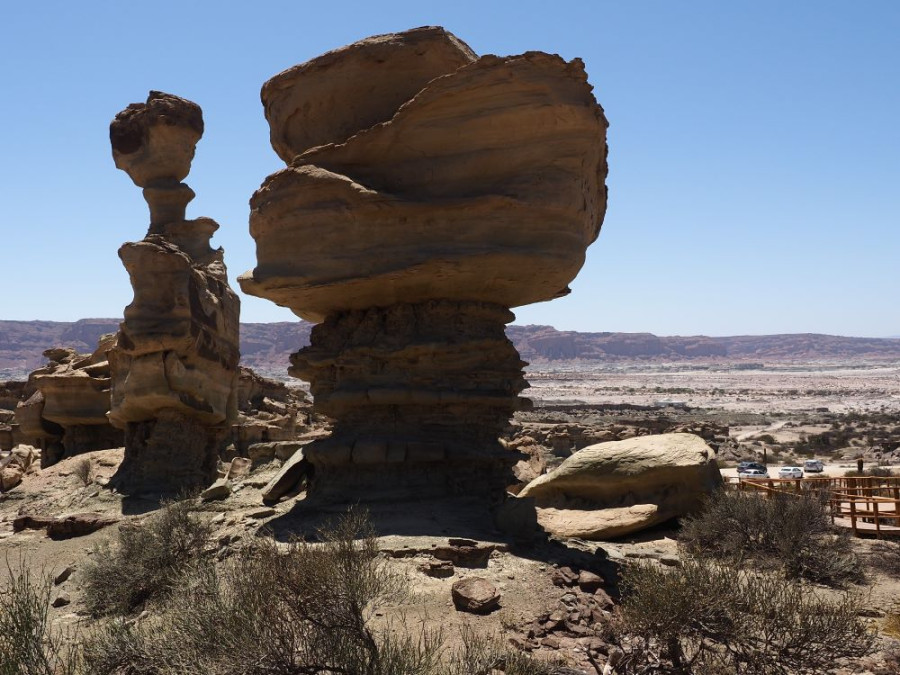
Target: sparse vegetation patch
(147, 560)
(791, 532)
(704, 619)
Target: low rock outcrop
(612, 489)
(415, 211)
(65, 412)
(268, 412)
(174, 370)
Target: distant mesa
(266, 347)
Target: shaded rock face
(174, 371)
(615, 488)
(67, 401)
(428, 191)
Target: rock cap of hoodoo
(341, 92)
(154, 142)
(420, 172)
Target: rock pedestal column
(174, 370)
(419, 393)
(427, 192)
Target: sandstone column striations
(174, 369)
(428, 191)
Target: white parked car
(753, 473)
(790, 472)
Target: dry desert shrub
(707, 619)
(84, 471)
(789, 531)
(28, 644)
(147, 560)
(303, 609)
(886, 558)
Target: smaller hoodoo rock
(174, 370)
(64, 412)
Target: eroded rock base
(420, 394)
(169, 454)
(78, 439)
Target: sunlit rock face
(428, 190)
(175, 366)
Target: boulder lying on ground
(616, 488)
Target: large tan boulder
(612, 489)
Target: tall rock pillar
(428, 191)
(174, 369)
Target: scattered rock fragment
(79, 524)
(475, 595)
(440, 569)
(220, 489)
(589, 582)
(287, 479)
(239, 467)
(63, 576)
(64, 527)
(464, 552)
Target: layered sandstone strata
(428, 191)
(174, 371)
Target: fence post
(853, 515)
(877, 519)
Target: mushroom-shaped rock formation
(428, 191)
(174, 371)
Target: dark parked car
(744, 466)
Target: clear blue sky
(754, 148)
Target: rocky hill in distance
(265, 347)
(539, 343)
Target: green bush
(147, 560)
(706, 619)
(792, 532)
